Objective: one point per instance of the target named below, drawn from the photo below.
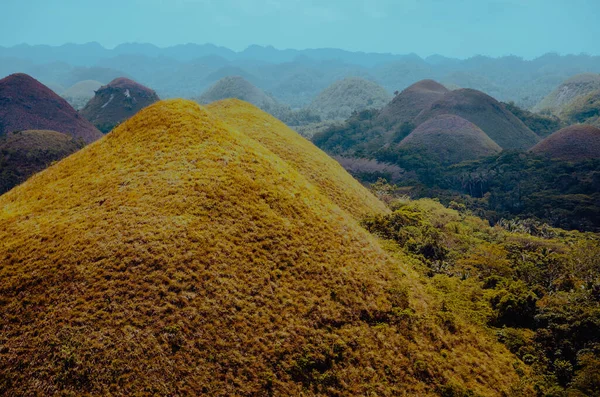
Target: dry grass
(574, 143)
(179, 256)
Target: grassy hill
(116, 102)
(27, 104)
(583, 109)
(575, 143)
(315, 165)
(485, 112)
(24, 153)
(352, 94)
(180, 256)
(450, 139)
(569, 90)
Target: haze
(457, 28)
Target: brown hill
(450, 139)
(116, 102)
(178, 256)
(407, 105)
(574, 143)
(24, 153)
(27, 104)
(485, 112)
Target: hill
(541, 124)
(181, 257)
(24, 153)
(116, 102)
(584, 109)
(79, 94)
(352, 94)
(574, 143)
(407, 105)
(569, 90)
(27, 104)
(450, 139)
(315, 165)
(485, 112)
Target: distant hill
(116, 102)
(583, 109)
(180, 255)
(450, 139)
(24, 153)
(574, 143)
(409, 103)
(568, 91)
(78, 95)
(27, 104)
(352, 94)
(485, 112)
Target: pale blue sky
(459, 28)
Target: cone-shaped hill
(79, 94)
(584, 109)
(24, 153)
(485, 112)
(116, 102)
(342, 98)
(574, 143)
(239, 88)
(407, 105)
(450, 139)
(559, 99)
(179, 256)
(27, 104)
(320, 169)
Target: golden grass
(179, 256)
(320, 169)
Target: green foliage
(542, 125)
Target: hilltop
(407, 105)
(310, 161)
(27, 104)
(352, 94)
(574, 143)
(485, 112)
(116, 102)
(79, 94)
(180, 256)
(239, 88)
(450, 139)
(569, 90)
(24, 153)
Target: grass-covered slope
(352, 94)
(27, 104)
(567, 92)
(324, 172)
(79, 94)
(450, 139)
(24, 153)
(583, 109)
(575, 143)
(485, 112)
(177, 256)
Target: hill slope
(116, 102)
(407, 105)
(310, 161)
(485, 112)
(352, 94)
(26, 104)
(583, 109)
(564, 94)
(24, 153)
(450, 139)
(178, 256)
(574, 143)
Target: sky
(456, 28)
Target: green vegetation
(542, 125)
(537, 287)
(584, 109)
(571, 89)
